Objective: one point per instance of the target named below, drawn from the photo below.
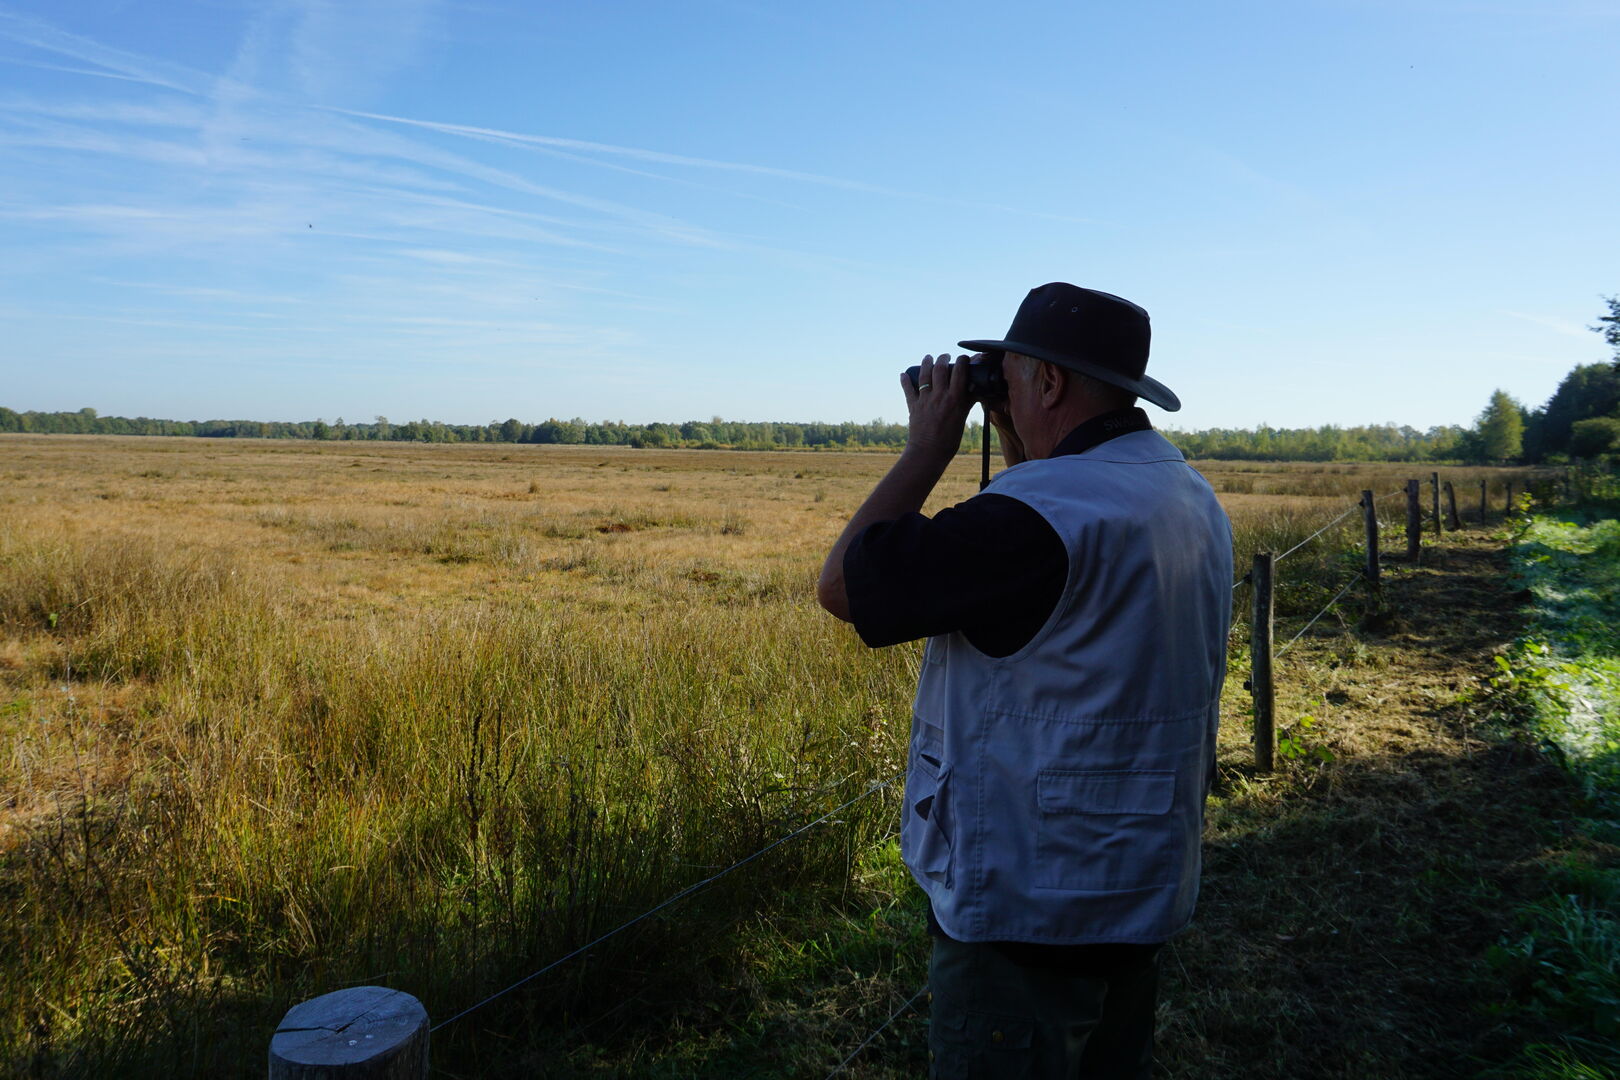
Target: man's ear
(1053, 380)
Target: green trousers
(995, 1019)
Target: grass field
(288, 716)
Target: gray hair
(1106, 394)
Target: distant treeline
(1374, 442)
(713, 434)
(1385, 442)
(1580, 420)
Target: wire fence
(1248, 578)
(1262, 681)
(1318, 532)
(897, 1014)
(1315, 618)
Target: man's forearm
(937, 403)
(903, 490)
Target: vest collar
(1099, 429)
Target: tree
(1498, 435)
(1611, 332)
(1598, 435)
(1587, 391)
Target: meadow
(288, 716)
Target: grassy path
(1349, 906)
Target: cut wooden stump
(368, 1032)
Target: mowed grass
(284, 717)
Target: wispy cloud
(585, 148)
(1556, 325)
(656, 156)
(41, 66)
(238, 111)
(201, 292)
(133, 66)
(348, 49)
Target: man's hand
(1012, 447)
(938, 406)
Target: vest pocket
(925, 833)
(1106, 831)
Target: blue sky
(1337, 211)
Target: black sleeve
(990, 567)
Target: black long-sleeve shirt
(990, 567)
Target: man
(1063, 733)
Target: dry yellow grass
(364, 526)
(348, 527)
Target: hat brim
(1147, 387)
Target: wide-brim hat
(1095, 333)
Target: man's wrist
(930, 454)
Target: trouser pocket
(974, 1045)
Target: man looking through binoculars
(1063, 731)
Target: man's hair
(1106, 394)
(1110, 397)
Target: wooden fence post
(1507, 503)
(1260, 676)
(1453, 522)
(364, 1032)
(1434, 479)
(1370, 514)
(1414, 522)
(1482, 504)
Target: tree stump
(368, 1032)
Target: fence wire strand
(1319, 532)
(1247, 578)
(1325, 609)
(897, 1014)
(1328, 526)
(683, 894)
